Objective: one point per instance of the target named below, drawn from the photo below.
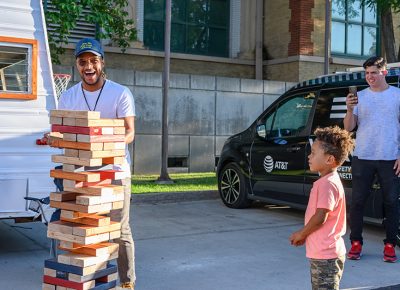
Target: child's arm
(317, 220)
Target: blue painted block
(64, 269)
(105, 286)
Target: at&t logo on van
(268, 163)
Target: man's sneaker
(127, 285)
(389, 254)
(355, 251)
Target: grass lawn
(182, 182)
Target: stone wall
(203, 111)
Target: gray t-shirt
(378, 133)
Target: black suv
(268, 161)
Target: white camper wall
(24, 166)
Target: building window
(197, 26)
(354, 29)
(18, 68)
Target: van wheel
(232, 187)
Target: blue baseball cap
(89, 45)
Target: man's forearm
(349, 121)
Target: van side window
(291, 116)
(331, 108)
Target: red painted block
(111, 174)
(77, 130)
(65, 283)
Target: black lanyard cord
(98, 97)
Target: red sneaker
(355, 251)
(389, 254)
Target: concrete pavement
(203, 245)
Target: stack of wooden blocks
(84, 230)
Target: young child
(325, 218)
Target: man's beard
(96, 82)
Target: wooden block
(75, 114)
(56, 120)
(69, 137)
(106, 131)
(50, 272)
(100, 249)
(108, 278)
(114, 160)
(111, 174)
(78, 145)
(96, 199)
(87, 176)
(61, 227)
(75, 184)
(46, 286)
(110, 270)
(92, 220)
(74, 285)
(76, 161)
(68, 228)
(69, 121)
(100, 154)
(114, 146)
(71, 205)
(86, 231)
(71, 152)
(97, 190)
(100, 138)
(119, 131)
(84, 260)
(70, 214)
(78, 130)
(78, 168)
(100, 123)
(63, 195)
(118, 204)
(115, 235)
(53, 264)
(95, 239)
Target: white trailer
(26, 97)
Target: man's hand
(397, 167)
(351, 102)
(297, 239)
(49, 138)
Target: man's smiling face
(90, 67)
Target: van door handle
(293, 149)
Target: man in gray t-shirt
(376, 113)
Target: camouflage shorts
(326, 274)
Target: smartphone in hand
(353, 91)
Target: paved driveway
(202, 245)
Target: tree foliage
(109, 15)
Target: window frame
(347, 21)
(32, 45)
(185, 26)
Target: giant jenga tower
(84, 230)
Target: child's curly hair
(335, 141)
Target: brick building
(218, 37)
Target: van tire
(233, 187)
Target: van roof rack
(394, 70)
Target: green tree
(109, 15)
(385, 8)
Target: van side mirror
(261, 131)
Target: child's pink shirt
(327, 241)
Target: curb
(166, 197)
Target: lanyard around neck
(98, 97)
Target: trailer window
(18, 68)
